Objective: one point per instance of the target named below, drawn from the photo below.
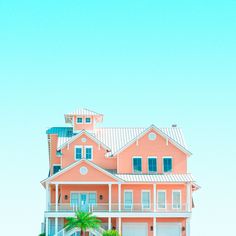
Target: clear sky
(137, 62)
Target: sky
(137, 62)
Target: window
(128, 199)
(74, 199)
(137, 164)
(152, 164)
(145, 199)
(78, 153)
(167, 164)
(79, 120)
(92, 198)
(56, 168)
(176, 199)
(161, 199)
(89, 153)
(88, 120)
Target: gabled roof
(68, 141)
(77, 163)
(117, 138)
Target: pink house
(134, 179)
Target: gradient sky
(137, 62)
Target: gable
(84, 171)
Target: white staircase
(93, 232)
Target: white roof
(116, 138)
(84, 112)
(173, 178)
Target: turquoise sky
(137, 62)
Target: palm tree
(83, 221)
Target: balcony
(104, 208)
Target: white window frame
(161, 191)
(136, 172)
(167, 157)
(85, 152)
(153, 157)
(78, 146)
(180, 196)
(77, 120)
(53, 167)
(146, 191)
(132, 205)
(89, 121)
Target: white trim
(82, 152)
(167, 157)
(154, 197)
(56, 198)
(75, 164)
(154, 226)
(88, 146)
(129, 191)
(109, 196)
(161, 191)
(119, 197)
(137, 157)
(153, 127)
(76, 118)
(78, 135)
(149, 192)
(89, 118)
(180, 196)
(152, 157)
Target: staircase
(93, 232)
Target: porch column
(119, 225)
(154, 226)
(187, 227)
(56, 197)
(46, 227)
(109, 197)
(47, 196)
(56, 226)
(154, 197)
(119, 197)
(188, 189)
(109, 223)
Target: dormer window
(88, 120)
(167, 164)
(79, 120)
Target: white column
(155, 197)
(47, 196)
(154, 226)
(119, 225)
(56, 225)
(109, 223)
(188, 189)
(187, 228)
(109, 197)
(119, 197)
(46, 228)
(56, 197)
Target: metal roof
(115, 138)
(84, 112)
(172, 178)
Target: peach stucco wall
(86, 126)
(144, 148)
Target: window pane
(88, 120)
(137, 164)
(92, 198)
(128, 200)
(161, 201)
(167, 164)
(56, 169)
(145, 199)
(176, 200)
(152, 165)
(74, 200)
(78, 153)
(88, 153)
(79, 120)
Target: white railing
(104, 207)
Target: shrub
(43, 234)
(110, 233)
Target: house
(135, 180)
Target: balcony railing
(104, 207)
